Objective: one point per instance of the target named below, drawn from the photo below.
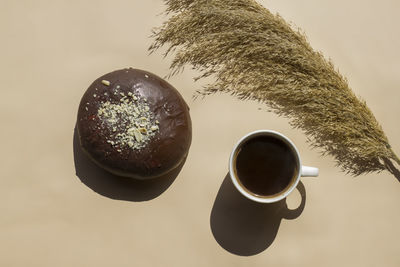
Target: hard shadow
(244, 227)
(116, 187)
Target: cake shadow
(244, 227)
(117, 187)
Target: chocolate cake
(135, 124)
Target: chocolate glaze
(164, 152)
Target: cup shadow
(244, 227)
(116, 187)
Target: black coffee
(265, 165)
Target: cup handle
(307, 171)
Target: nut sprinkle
(130, 122)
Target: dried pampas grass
(256, 55)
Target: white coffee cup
(302, 171)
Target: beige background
(51, 51)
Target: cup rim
(240, 188)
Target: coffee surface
(265, 165)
